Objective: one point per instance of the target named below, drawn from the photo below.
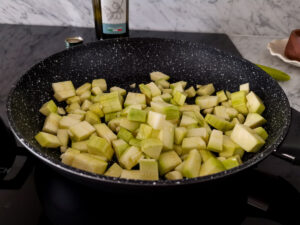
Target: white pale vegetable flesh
(154, 133)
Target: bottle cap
(72, 41)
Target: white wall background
(242, 17)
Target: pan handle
(8, 156)
(290, 148)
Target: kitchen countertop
(254, 49)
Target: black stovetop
(39, 193)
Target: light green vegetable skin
(153, 134)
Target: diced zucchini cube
(206, 90)
(119, 146)
(255, 104)
(241, 117)
(73, 100)
(230, 148)
(168, 161)
(245, 87)
(61, 111)
(63, 90)
(149, 169)
(215, 142)
(190, 143)
(81, 130)
(104, 131)
(246, 138)
(171, 111)
(239, 101)
(155, 120)
(179, 97)
(232, 112)
(124, 134)
(131, 174)
(97, 109)
(173, 175)
(187, 121)
(111, 102)
(228, 94)
(191, 165)
(96, 91)
(80, 145)
(155, 91)
(83, 88)
(72, 107)
(261, 132)
(129, 125)
(145, 90)
(254, 120)
(69, 155)
(221, 96)
(135, 99)
(220, 111)
(48, 107)
(101, 83)
(118, 89)
(100, 146)
(89, 163)
(180, 133)
(198, 132)
(92, 118)
(208, 111)
(167, 91)
(166, 97)
(163, 83)
(135, 142)
(166, 135)
(191, 92)
(211, 166)
(63, 136)
(130, 157)
(206, 102)
(137, 115)
(152, 147)
(205, 155)
(218, 122)
(86, 104)
(47, 140)
(114, 171)
(51, 123)
(189, 108)
(158, 75)
(144, 132)
(79, 117)
(232, 162)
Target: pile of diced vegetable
(153, 134)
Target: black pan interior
(126, 61)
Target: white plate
(277, 47)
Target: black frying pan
(126, 61)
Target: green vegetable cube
(152, 147)
(135, 142)
(73, 100)
(119, 146)
(48, 107)
(67, 121)
(144, 132)
(85, 95)
(171, 111)
(211, 166)
(69, 155)
(63, 90)
(101, 83)
(86, 104)
(89, 163)
(125, 134)
(166, 135)
(155, 91)
(137, 115)
(232, 112)
(179, 97)
(246, 138)
(191, 165)
(187, 121)
(131, 174)
(254, 120)
(104, 131)
(191, 92)
(218, 122)
(190, 143)
(255, 104)
(198, 132)
(82, 130)
(80, 145)
(129, 125)
(230, 148)
(221, 96)
(71, 108)
(76, 116)
(261, 132)
(149, 169)
(92, 118)
(232, 162)
(168, 161)
(158, 75)
(114, 171)
(145, 90)
(206, 90)
(221, 111)
(47, 140)
(135, 99)
(155, 120)
(97, 109)
(206, 102)
(245, 87)
(111, 102)
(96, 91)
(166, 97)
(215, 142)
(239, 101)
(180, 133)
(130, 157)
(205, 155)
(163, 83)
(63, 136)
(100, 146)
(83, 88)
(51, 123)
(173, 175)
(117, 89)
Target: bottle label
(114, 16)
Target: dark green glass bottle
(111, 18)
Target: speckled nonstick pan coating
(126, 61)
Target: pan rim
(112, 180)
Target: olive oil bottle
(111, 18)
